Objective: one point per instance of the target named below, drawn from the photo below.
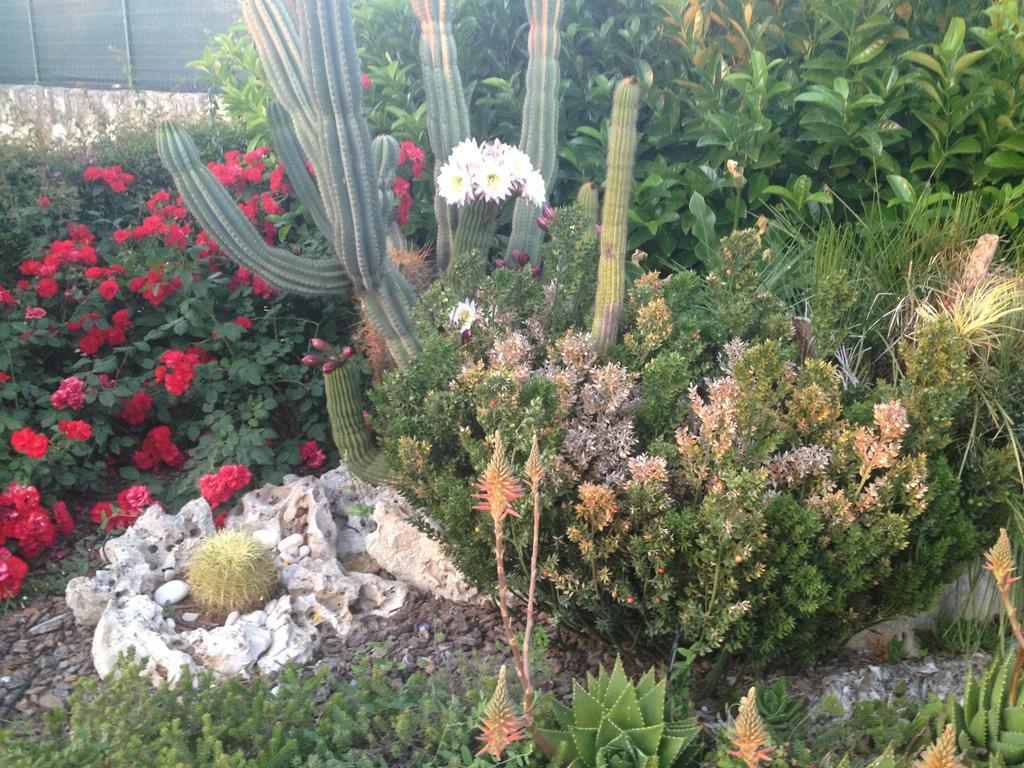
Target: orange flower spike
(999, 561)
(499, 725)
(942, 753)
(498, 487)
(534, 469)
(749, 735)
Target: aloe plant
(987, 723)
(616, 724)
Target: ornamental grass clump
(231, 571)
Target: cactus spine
(539, 137)
(611, 272)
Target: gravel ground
(43, 652)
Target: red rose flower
(109, 289)
(31, 443)
(219, 488)
(44, 202)
(47, 288)
(136, 408)
(63, 518)
(35, 313)
(312, 455)
(75, 430)
(12, 573)
(244, 322)
(70, 394)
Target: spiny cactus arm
(286, 144)
(611, 272)
(218, 213)
(588, 199)
(345, 408)
(539, 137)
(447, 114)
(347, 182)
(385, 151)
(477, 223)
(278, 43)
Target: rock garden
(566, 384)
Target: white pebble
(304, 550)
(231, 619)
(269, 539)
(290, 543)
(189, 617)
(170, 593)
(170, 574)
(170, 623)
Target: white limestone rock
(296, 521)
(230, 650)
(410, 555)
(138, 625)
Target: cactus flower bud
(467, 334)
(330, 366)
(323, 346)
(346, 353)
(535, 271)
(548, 212)
(543, 223)
(521, 257)
(499, 263)
(313, 360)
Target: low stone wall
(47, 114)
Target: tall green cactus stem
(611, 271)
(447, 114)
(539, 137)
(345, 406)
(312, 65)
(589, 201)
(287, 147)
(214, 207)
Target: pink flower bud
(322, 345)
(548, 212)
(346, 353)
(535, 271)
(312, 360)
(499, 263)
(330, 366)
(543, 223)
(467, 334)
(521, 257)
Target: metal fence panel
(109, 43)
(16, 58)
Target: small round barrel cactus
(231, 571)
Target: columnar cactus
(588, 199)
(539, 138)
(611, 272)
(309, 53)
(314, 69)
(346, 408)
(447, 114)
